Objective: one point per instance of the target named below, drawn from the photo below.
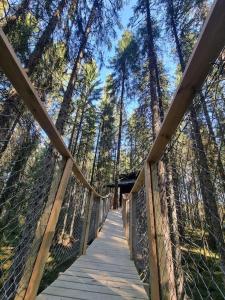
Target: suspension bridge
(97, 252)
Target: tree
(215, 234)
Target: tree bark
(67, 99)
(115, 199)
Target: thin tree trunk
(67, 99)
(115, 199)
(96, 151)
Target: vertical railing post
(42, 256)
(126, 218)
(86, 225)
(42, 223)
(153, 259)
(132, 226)
(164, 248)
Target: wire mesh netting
(141, 248)
(67, 238)
(92, 228)
(28, 166)
(191, 184)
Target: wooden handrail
(14, 71)
(210, 43)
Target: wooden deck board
(104, 273)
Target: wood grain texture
(105, 272)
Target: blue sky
(165, 53)
(125, 14)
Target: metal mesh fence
(67, 239)
(28, 164)
(192, 190)
(66, 244)
(141, 249)
(92, 228)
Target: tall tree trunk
(67, 99)
(213, 138)
(96, 151)
(156, 122)
(115, 199)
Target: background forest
(106, 72)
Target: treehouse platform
(105, 272)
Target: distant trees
(123, 63)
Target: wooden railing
(35, 263)
(163, 280)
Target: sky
(125, 15)
(165, 55)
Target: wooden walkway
(105, 272)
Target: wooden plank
(96, 266)
(79, 294)
(153, 259)
(14, 71)
(108, 272)
(102, 273)
(164, 249)
(104, 259)
(48, 235)
(104, 282)
(99, 288)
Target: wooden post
(86, 225)
(48, 235)
(153, 259)
(132, 225)
(126, 219)
(43, 221)
(164, 249)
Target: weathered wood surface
(105, 272)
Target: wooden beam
(48, 235)
(16, 74)
(153, 258)
(164, 249)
